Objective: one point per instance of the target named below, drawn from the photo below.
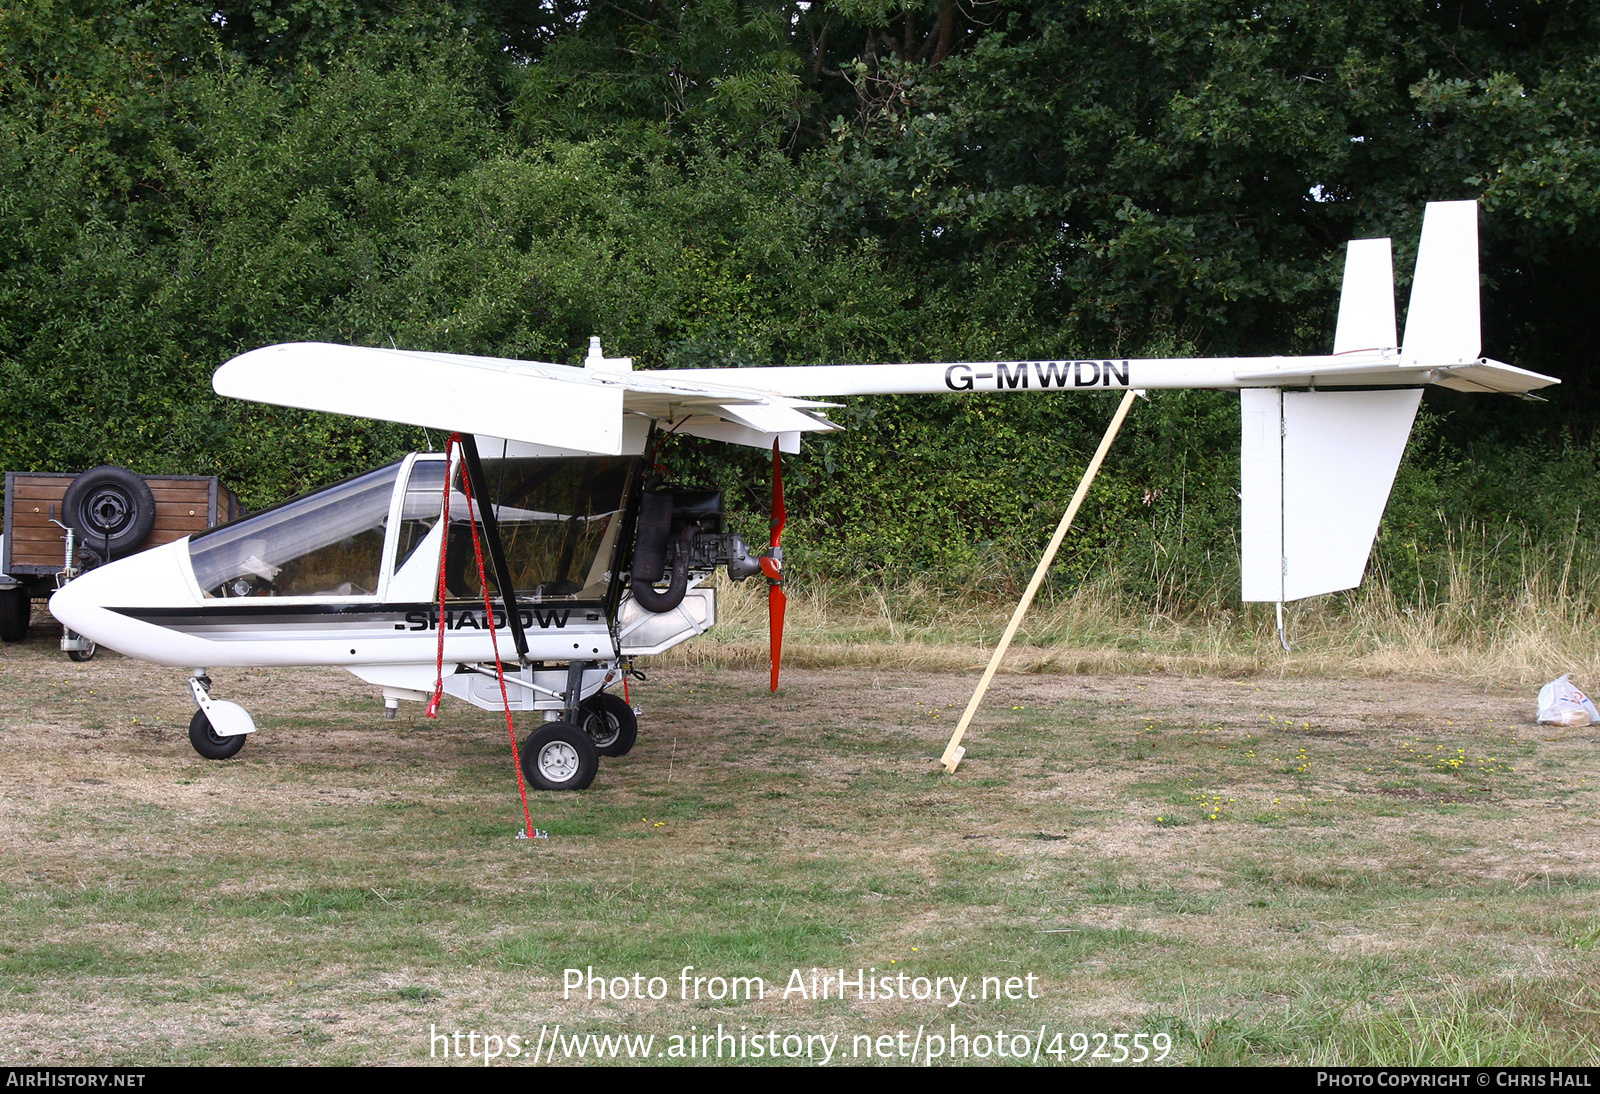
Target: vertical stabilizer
(1261, 493)
(1315, 472)
(1366, 303)
(1340, 454)
(1442, 322)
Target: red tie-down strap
(444, 554)
(488, 611)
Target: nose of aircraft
(157, 578)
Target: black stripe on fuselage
(465, 616)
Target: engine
(680, 532)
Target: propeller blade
(772, 567)
(779, 514)
(776, 603)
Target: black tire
(558, 756)
(610, 724)
(16, 607)
(83, 655)
(207, 742)
(110, 506)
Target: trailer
(58, 525)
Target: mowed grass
(1267, 871)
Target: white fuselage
(150, 607)
(384, 626)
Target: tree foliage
(731, 182)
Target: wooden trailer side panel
(33, 544)
(185, 504)
(183, 507)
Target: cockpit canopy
(325, 544)
(560, 525)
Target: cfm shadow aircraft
(591, 561)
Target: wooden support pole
(953, 751)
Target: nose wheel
(208, 743)
(218, 728)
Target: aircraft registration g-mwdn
(591, 561)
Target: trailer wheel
(16, 606)
(110, 507)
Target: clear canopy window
(325, 544)
(559, 523)
(419, 509)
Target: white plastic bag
(1562, 704)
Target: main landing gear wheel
(558, 756)
(88, 655)
(610, 723)
(208, 742)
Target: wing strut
(497, 555)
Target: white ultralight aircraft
(578, 536)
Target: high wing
(556, 409)
(564, 409)
(1316, 465)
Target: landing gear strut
(218, 728)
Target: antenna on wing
(597, 361)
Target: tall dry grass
(1511, 613)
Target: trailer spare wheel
(109, 507)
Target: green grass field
(1298, 870)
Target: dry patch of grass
(1274, 869)
(1469, 631)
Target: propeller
(772, 567)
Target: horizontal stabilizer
(1484, 375)
(1316, 469)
